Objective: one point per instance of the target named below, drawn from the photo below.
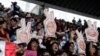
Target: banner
(81, 43)
(7, 49)
(49, 24)
(91, 32)
(23, 34)
(30, 53)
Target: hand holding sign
(91, 32)
(23, 34)
(49, 24)
(81, 43)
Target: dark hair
(14, 19)
(66, 46)
(88, 49)
(45, 51)
(29, 44)
(63, 52)
(2, 22)
(54, 43)
(23, 44)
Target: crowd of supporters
(61, 45)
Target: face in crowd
(71, 47)
(13, 22)
(3, 23)
(55, 47)
(33, 45)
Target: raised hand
(23, 34)
(49, 24)
(81, 43)
(91, 32)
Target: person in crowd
(63, 53)
(28, 17)
(46, 53)
(91, 49)
(46, 42)
(20, 48)
(64, 44)
(40, 34)
(40, 31)
(60, 31)
(69, 48)
(79, 23)
(33, 45)
(15, 9)
(13, 28)
(55, 50)
(74, 21)
(4, 35)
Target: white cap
(28, 15)
(16, 16)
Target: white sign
(81, 43)
(23, 34)
(91, 32)
(49, 24)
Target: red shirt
(4, 36)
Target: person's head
(39, 26)
(91, 48)
(81, 54)
(20, 48)
(13, 22)
(73, 34)
(63, 53)
(46, 53)
(3, 23)
(55, 46)
(14, 3)
(33, 44)
(71, 47)
(22, 45)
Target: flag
(7, 49)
